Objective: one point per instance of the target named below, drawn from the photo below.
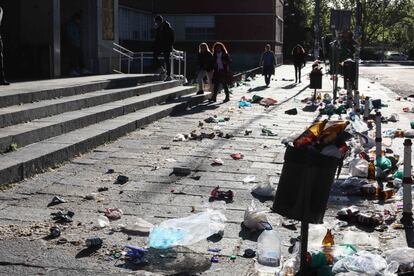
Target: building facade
(244, 26)
(36, 36)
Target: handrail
(124, 54)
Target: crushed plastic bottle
(268, 248)
(187, 230)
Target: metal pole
(357, 104)
(407, 216)
(358, 36)
(316, 30)
(179, 65)
(185, 65)
(120, 62)
(172, 63)
(366, 109)
(142, 62)
(378, 147)
(129, 65)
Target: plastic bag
(103, 222)
(264, 190)
(358, 167)
(187, 230)
(403, 256)
(362, 262)
(141, 226)
(358, 125)
(255, 219)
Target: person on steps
(268, 61)
(164, 41)
(205, 64)
(298, 54)
(222, 72)
(2, 77)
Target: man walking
(2, 78)
(164, 40)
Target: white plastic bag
(404, 256)
(255, 219)
(363, 262)
(187, 230)
(358, 167)
(264, 190)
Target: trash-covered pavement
(193, 193)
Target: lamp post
(316, 30)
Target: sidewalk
(148, 157)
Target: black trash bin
(315, 79)
(304, 185)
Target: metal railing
(178, 60)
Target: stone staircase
(46, 123)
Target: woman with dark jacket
(268, 61)
(222, 72)
(298, 54)
(205, 64)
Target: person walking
(164, 41)
(298, 54)
(2, 77)
(205, 64)
(222, 72)
(268, 61)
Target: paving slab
(154, 194)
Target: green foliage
(388, 22)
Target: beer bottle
(328, 240)
(329, 134)
(310, 135)
(371, 170)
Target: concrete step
(41, 129)
(25, 92)
(17, 114)
(37, 157)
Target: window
(134, 25)
(199, 27)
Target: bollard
(407, 182)
(349, 100)
(378, 145)
(366, 108)
(357, 104)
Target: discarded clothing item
(268, 102)
(56, 200)
(140, 226)
(181, 171)
(348, 213)
(188, 230)
(179, 138)
(268, 132)
(248, 132)
(249, 179)
(217, 162)
(216, 194)
(135, 252)
(113, 213)
(61, 217)
(264, 190)
(245, 104)
(292, 111)
(121, 179)
(256, 99)
(255, 219)
(237, 156)
(210, 120)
